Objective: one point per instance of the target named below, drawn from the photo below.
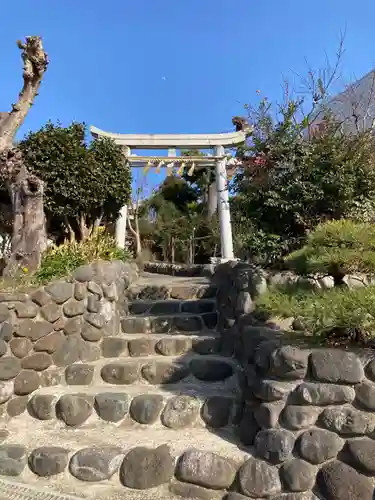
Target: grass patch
(62, 260)
(323, 309)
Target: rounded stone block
(50, 312)
(112, 407)
(267, 414)
(38, 361)
(50, 343)
(17, 405)
(272, 390)
(73, 326)
(365, 395)
(289, 363)
(299, 417)
(91, 333)
(80, 291)
(160, 372)
(188, 324)
(141, 347)
(338, 481)
(26, 382)
(40, 297)
(258, 479)
(144, 468)
(9, 368)
(73, 308)
(298, 475)
(145, 408)
(96, 464)
(34, 330)
(13, 460)
(362, 452)
(180, 412)
(26, 310)
(51, 377)
(336, 366)
(205, 469)
(74, 349)
(120, 373)
(216, 411)
(211, 370)
(20, 347)
(135, 325)
(207, 346)
(274, 445)
(80, 374)
(73, 409)
(48, 461)
(173, 346)
(60, 291)
(113, 347)
(348, 421)
(42, 406)
(95, 320)
(323, 394)
(318, 446)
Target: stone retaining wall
(308, 413)
(59, 324)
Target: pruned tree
(86, 183)
(29, 238)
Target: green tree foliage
(295, 179)
(86, 184)
(337, 248)
(173, 223)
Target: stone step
(168, 307)
(154, 370)
(178, 323)
(90, 407)
(100, 463)
(135, 345)
(190, 369)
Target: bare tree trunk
(72, 235)
(29, 239)
(84, 229)
(135, 233)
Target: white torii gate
(172, 142)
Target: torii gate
(174, 142)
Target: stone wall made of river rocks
(308, 412)
(57, 325)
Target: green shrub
(336, 248)
(322, 310)
(63, 259)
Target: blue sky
(138, 66)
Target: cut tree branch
(35, 62)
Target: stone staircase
(161, 387)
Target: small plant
(63, 259)
(336, 248)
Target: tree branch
(35, 62)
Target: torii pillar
(226, 238)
